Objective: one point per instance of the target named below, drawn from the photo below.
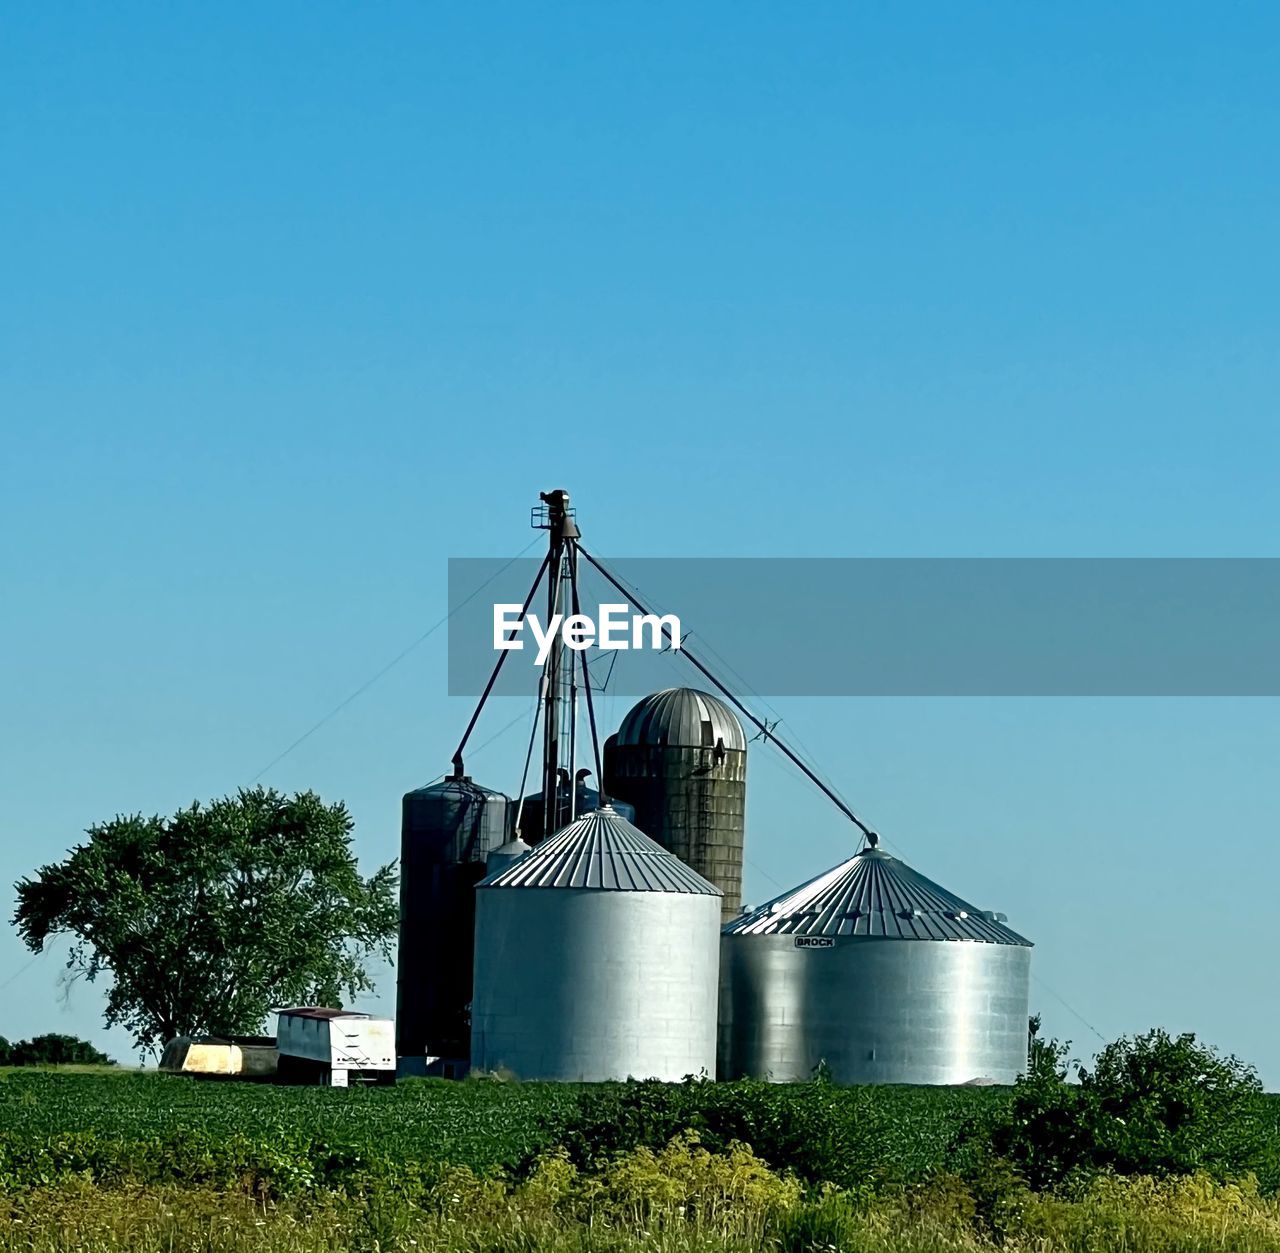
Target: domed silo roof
(684, 717)
(877, 896)
(601, 850)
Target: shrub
(731, 1193)
(825, 1133)
(1153, 1104)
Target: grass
(640, 1209)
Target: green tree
(205, 920)
(51, 1049)
(1165, 1104)
(1152, 1104)
(1046, 1059)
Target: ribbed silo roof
(682, 717)
(874, 895)
(602, 850)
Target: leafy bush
(1153, 1104)
(850, 1137)
(733, 1192)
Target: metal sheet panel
(505, 855)
(601, 850)
(352, 1041)
(362, 1044)
(873, 894)
(682, 717)
(876, 1010)
(589, 985)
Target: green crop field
(103, 1161)
(467, 1123)
(477, 1124)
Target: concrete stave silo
(448, 829)
(881, 974)
(596, 958)
(680, 759)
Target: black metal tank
(447, 831)
(533, 813)
(680, 759)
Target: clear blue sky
(300, 300)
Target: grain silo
(596, 958)
(879, 972)
(447, 831)
(680, 758)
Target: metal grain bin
(596, 958)
(680, 758)
(448, 830)
(879, 972)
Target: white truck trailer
(334, 1046)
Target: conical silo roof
(877, 896)
(682, 717)
(602, 850)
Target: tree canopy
(206, 920)
(51, 1049)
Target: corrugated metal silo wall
(875, 1010)
(583, 985)
(689, 802)
(446, 834)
